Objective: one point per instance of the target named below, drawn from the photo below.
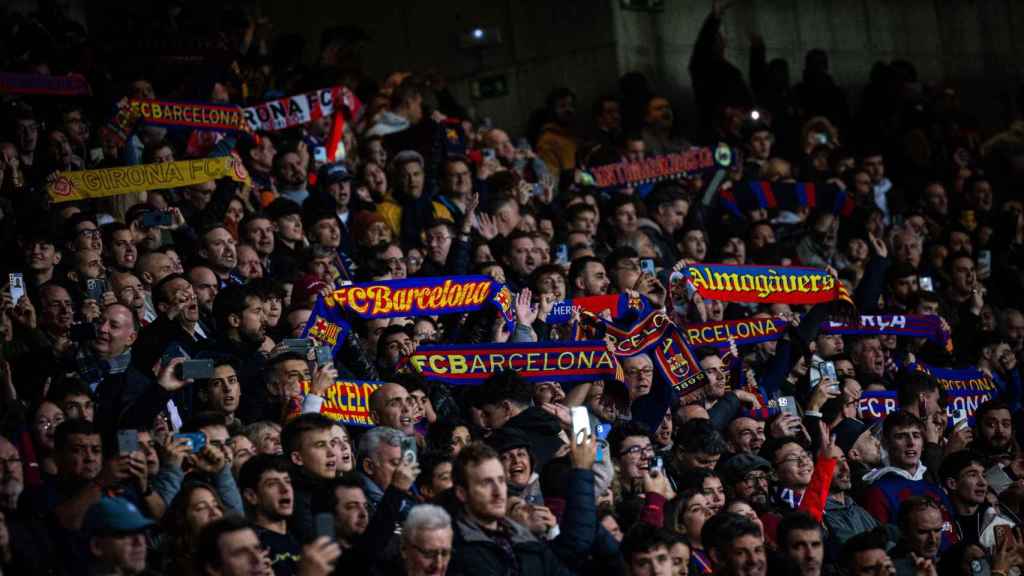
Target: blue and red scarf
(764, 195)
(912, 325)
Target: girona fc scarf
(792, 196)
(83, 184)
(913, 325)
(300, 109)
(424, 297)
(788, 284)
(70, 85)
(545, 361)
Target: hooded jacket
(890, 486)
(542, 429)
(476, 553)
(387, 123)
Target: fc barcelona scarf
(913, 325)
(326, 324)
(617, 305)
(424, 297)
(195, 115)
(743, 332)
(535, 362)
(70, 85)
(764, 195)
(954, 379)
(787, 284)
(662, 167)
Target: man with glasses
(639, 373)
(391, 255)
(746, 477)
(426, 541)
(801, 483)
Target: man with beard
(218, 249)
(746, 478)
(995, 439)
(818, 248)
(206, 286)
(735, 545)
(55, 318)
(844, 518)
(241, 333)
(290, 175)
(922, 524)
(800, 541)
(269, 499)
(863, 450)
(350, 508)
(745, 435)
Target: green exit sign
(489, 87)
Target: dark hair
(218, 361)
(643, 538)
(664, 194)
(617, 255)
(900, 419)
(722, 529)
(955, 463)
(699, 436)
(910, 384)
(68, 428)
(990, 406)
(914, 504)
(406, 90)
(254, 468)
(202, 420)
(504, 385)
(69, 387)
(429, 461)
(694, 479)
(231, 300)
(159, 297)
(208, 551)
(439, 434)
(578, 266)
(792, 522)
(291, 434)
(471, 455)
(772, 446)
(620, 433)
(875, 539)
(326, 500)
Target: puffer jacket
(477, 554)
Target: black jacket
(542, 429)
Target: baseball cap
(847, 432)
(736, 468)
(334, 172)
(113, 515)
(282, 207)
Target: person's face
(288, 378)
(27, 133)
(382, 465)
(87, 237)
(762, 235)
(395, 260)
(761, 145)
(342, 449)
(552, 284)
(460, 439)
(129, 291)
(745, 556)
(395, 407)
(935, 199)
(671, 216)
(126, 553)
(585, 223)
(341, 192)
(12, 472)
(594, 280)
(58, 309)
(242, 449)
(963, 275)
(395, 346)
(996, 429)
(1015, 330)
(695, 514)
(41, 256)
(163, 155)
(654, 562)
(58, 148)
(249, 265)
(806, 550)
(659, 113)
(635, 455)
(411, 174)
(793, 466)
(269, 441)
(875, 167)
(439, 242)
(960, 242)
(82, 458)
(223, 390)
(274, 497)
(982, 195)
(427, 552)
(746, 435)
(241, 554)
(639, 373)
(219, 249)
(680, 554)
(715, 492)
(867, 450)
(625, 219)
(115, 332)
(857, 250)
(694, 245)
(205, 286)
(924, 533)
(635, 150)
(541, 250)
(292, 172)
(201, 194)
(873, 562)
(290, 227)
(970, 485)
(328, 233)
(904, 446)
(352, 513)
(179, 290)
(123, 251)
(260, 233)
(78, 406)
(868, 357)
(715, 370)
(486, 492)
(315, 455)
(903, 288)
(253, 321)
(458, 179)
(517, 466)
(521, 256)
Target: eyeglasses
(634, 450)
(437, 239)
(46, 423)
(796, 458)
(756, 478)
(639, 372)
(437, 554)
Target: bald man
(391, 405)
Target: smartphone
(984, 262)
(83, 331)
(488, 153)
(94, 289)
(647, 266)
(581, 424)
(155, 219)
(323, 525)
(320, 154)
(926, 284)
(324, 355)
(196, 369)
(562, 254)
(998, 480)
(788, 406)
(657, 464)
(300, 345)
(17, 281)
(96, 155)
(196, 440)
(127, 441)
(959, 417)
(537, 190)
(828, 370)
(408, 449)
(821, 138)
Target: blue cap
(331, 173)
(112, 515)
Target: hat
(112, 515)
(361, 221)
(331, 173)
(508, 438)
(847, 432)
(404, 157)
(282, 207)
(736, 468)
(307, 286)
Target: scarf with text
(84, 184)
(743, 332)
(792, 196)
(676, 166)
(912, 325)
(877, 404)
(424, 297)
(470, 365)
(70, 85)
(346, 401)
(786, 284)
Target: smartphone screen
(788, 406)
(647, 266)
(580, 425)
(17, 282)
(127, 441)
(323, 525)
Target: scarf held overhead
(748, 196)
(535, 362)
(662, 167)
(348, 401)
(424, 296)
(299, 109)
(70, 85)
(785, 284)
(326, 325)
(912, 325)
(83, 184)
